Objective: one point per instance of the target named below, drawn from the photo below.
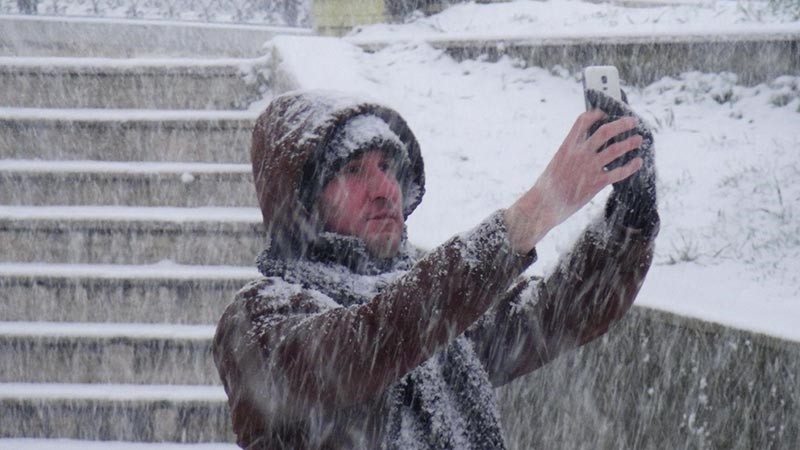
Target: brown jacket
(332, 352)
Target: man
(354, 340)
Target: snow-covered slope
(727, 154)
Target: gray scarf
(445, 403)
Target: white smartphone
(604, 79)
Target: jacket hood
(294, 134)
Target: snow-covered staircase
(127, 222)
(139, 83)
(125, 135)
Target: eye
(388, 166)
(351, 169)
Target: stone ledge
(128, 189)
(128, 87)
(659, 381)
(28, 36)
(185, 140)
(154, 420)
(45, 358)
(641, 59)
(130, 242)
(101, 299)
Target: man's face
(364, 199)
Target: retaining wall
(661, 381)
(754, 57)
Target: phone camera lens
(604, 79)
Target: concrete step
(132, 83)
(116, 38)
(70, 444)
(135, 353)
(130, 235)
(110, 412)
(756, 53)
(126, 135)
(159, 293)
(125, 183)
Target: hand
(577, 172)
(634, 199)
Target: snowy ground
(575, 18)
(729, 249)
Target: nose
(382, 184)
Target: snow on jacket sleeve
(250, 326)
(592, 287)
(281, 356)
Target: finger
(582, 124)
(609, 131)
(619, 149)
(622, 172)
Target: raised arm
(593, 285)
(591, 288)
(574, 176)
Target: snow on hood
(293, 133)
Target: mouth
(385, 215)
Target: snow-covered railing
(262, 12)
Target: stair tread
(107, 330)
(112, 392)
(145, 167)
(123, 115)
(698, 33)
(162, 23)
(161, 214)
(74, 444)
(50, 63)
(164, 270)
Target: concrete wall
(62, 36)
(642, 59)
(660, 381)
(755, 58)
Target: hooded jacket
(334, 349)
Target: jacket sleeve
(329, 359)
(592, 287)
